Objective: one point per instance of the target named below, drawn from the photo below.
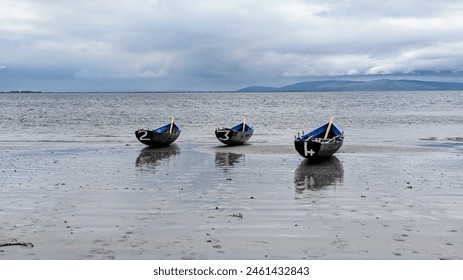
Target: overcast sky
(87, 45)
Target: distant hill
(375, 85)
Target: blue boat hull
(159, 137)
(313, 145)
(234, 135)
(316, 150)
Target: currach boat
(322, 142)
(160, 137)
(236, 135)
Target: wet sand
(188, 201)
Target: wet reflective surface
(227, 160)
(81, 186)
(313, 176)
(149, 157)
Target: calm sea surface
(392, 118)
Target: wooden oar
(244, 124)
(171, 125)
(329, 127)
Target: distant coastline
(347, 85)
(308, 86)
(21, 91)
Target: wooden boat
(160, 137)
(322, 142)
(236, 135)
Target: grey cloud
(198, 44)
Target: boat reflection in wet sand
(310, 176)
(227, 160)
(151, 157)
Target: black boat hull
(156, 139)
(232, 137)
(314, 150)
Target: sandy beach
(68, 200)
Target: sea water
(375, 118)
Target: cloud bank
(222, 45)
